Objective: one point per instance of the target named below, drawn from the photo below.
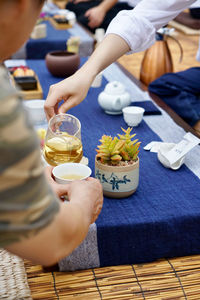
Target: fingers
(89, 194)
(98, 210)
(55, 96)
(69, 103)
(92, 17)
(91, 179)
(51, 102)
(92, 24)
(59, 189)
(49, 111)
(95, 181)
(96, 214)
(87, 13)
(99, 200)
(62, 189)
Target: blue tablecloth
(162, 219)
(55, 40)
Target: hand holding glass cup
(63, 140)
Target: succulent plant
(118, 149)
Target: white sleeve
(138, 26)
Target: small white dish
(66, 173)
(133, 115)
(36, 111)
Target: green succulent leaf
(116, 158)
(118, 148)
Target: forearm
(79, 220)
(108, 51)
(59, 239)
(106, 5)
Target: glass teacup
(63, 140)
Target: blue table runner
(55, 40)
(162, 219)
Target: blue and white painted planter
(117, 181)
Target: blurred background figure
(195, 10)
(98, 13)
(190, 17)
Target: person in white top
(130, 31)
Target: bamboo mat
(177, 278)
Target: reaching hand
(96, 16)
(72, 90)
(87, 194)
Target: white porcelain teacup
(66, 173)
(133, 115)
(36, 111)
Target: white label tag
(182, 148)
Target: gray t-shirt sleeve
(27, 203)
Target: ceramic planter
(117, 181)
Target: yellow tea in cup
(72, 176)
(66, 173)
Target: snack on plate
(25, 71)
(24, 77)
(18, 72)
(61, 19)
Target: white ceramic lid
(114, 88)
